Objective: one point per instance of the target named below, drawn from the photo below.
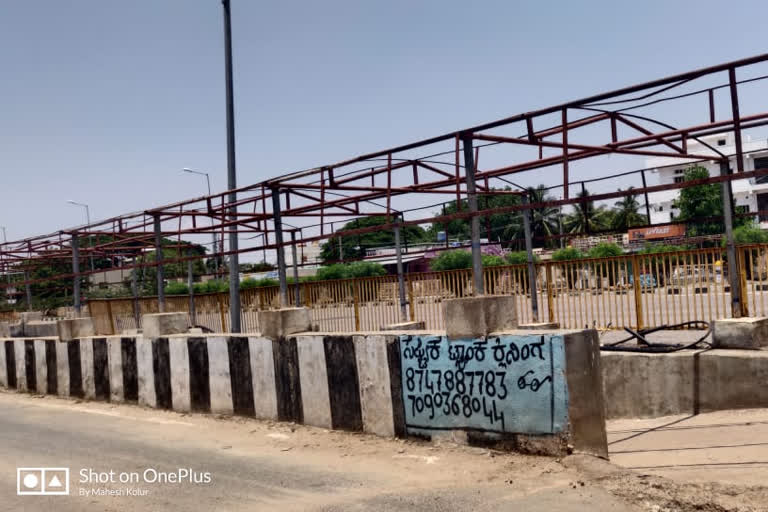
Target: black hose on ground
(645, 346)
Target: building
(750, 195)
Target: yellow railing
(639, 290)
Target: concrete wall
(686, 382)
(518, 388)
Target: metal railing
(637, 290)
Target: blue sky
(104, 101)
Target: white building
(750, 195)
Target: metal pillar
(135, 293)
(531, 265)
(190, 285)
(159, 268)
(276, 218)
(76, 272)
(400, 279)
(28, 288)
(477, 257)
(647, 204)
(234, 259)
(341, 248)
(296, 285)
(730, 247)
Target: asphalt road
(264, 466)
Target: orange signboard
(657, 232)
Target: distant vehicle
(646, 280)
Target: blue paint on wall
(498, 384)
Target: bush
(212, 286)
(520, 258)
(249, 283)
(748, 234)
(567, 253)
(605, 250)
(452, 260)
(350, 270)
(176, 288)
(365, 269)
(491, 260)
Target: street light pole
(88, 220)
(234, 260)
(215, 241)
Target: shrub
(491, 260)
(567, 253)
(520, 258)
(212, 286)
(335, 271)
(748, 234)
(176, 288)
(249, 283)
(605, 250)
(452, 260)
(365, 269)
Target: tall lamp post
(88, 219)
(215, 240)
(234, 260)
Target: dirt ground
(259, 465)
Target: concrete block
(278, 323)
(40, 329)
(475, 317)
(404, 326)
(746, 332)
(16, 330)
(30, 316)
(74, 328)
(5, 329)
(540, 326)
(156, 325)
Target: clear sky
(104, 101)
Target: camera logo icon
(42, 481)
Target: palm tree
(586, 217)
(625, 213)
(544, 219)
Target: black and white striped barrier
(518, 387)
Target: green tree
(354, 246)
(545, 220)
(626, 213)
(147, 276)
(698, 202)
(567, 254)
(605, 250)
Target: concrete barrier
(530, 391)
(686, 382)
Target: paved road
(261, 466)
(730, 447)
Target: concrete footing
(74, 328)
(160, 324)
(475, 317)
(745, 333)
(40, 329)
(540, 326)
(404, 326)
(277, 323)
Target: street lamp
(88, 219)
(215, 241)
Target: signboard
(657, 232)
(510, 383)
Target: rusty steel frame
(367, 185)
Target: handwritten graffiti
(495, 384)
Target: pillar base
(75, 328)
(745, 332)
(161, 324)
(278, 323)
(404, 326)
(475, 317)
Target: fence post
(159, 268)
(135, 294)
(411, 305)
(742, 269)
(550, 295)
(111, 318)
(222, 314)
(356, 302)
(190, 285)
(638, 292)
